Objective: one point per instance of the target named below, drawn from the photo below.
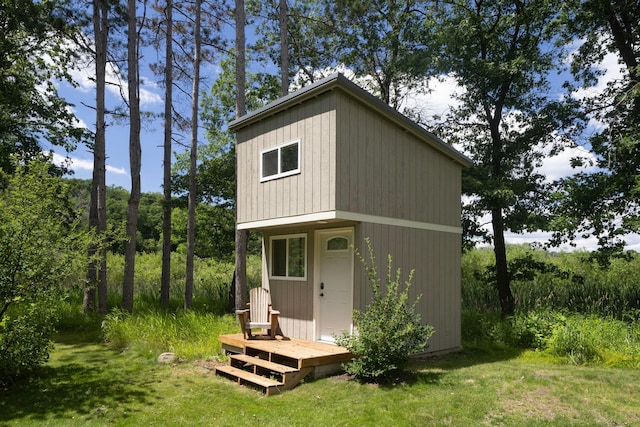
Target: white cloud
(612, 71)
(84, 75)
(559, 166)
(78, 164)
(436, 101)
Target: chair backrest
(259, 305)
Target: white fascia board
(348, 216)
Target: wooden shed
(324, 168)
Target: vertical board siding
(435, 257)
(355, 159)
(293, 298)
(311, 191)
(392, 173)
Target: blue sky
(117, 133)
(151, 96)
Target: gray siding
(435, 257)
(385, 171)
(311, 191)
(293, 298)
(358, 160)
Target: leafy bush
(523, 331)
(573, 340)
(25, 340)
(41, 237)
(389, 329)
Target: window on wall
(338, 244)
(289, 257)
(280, 161)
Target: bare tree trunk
(165, 283)
(507, 303)
(284, 48)
(193, 157)
(135, 155)
(241, 235)
(97, 269)
(503, 281)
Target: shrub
(25, 340)
(575, 341)
(389, 329)
(42, 244)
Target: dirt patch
(209, 364)
(539, 404)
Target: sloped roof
(340, 82)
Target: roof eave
(339, 81)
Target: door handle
(322, 285)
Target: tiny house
(327, 166)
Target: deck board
(308, 353)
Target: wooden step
(242, 377)
(274, 367)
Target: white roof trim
(348, 216)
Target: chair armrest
(274, 312)
(239, 312)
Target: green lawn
(85, 383)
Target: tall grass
(212, 281)
(191, 335)
(150, 331)
(541, 280)
(567, 305)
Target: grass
(190, 335)
(87, 383)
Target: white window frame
(279, 148)
(288, 237)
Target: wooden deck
(306, 353)
(259, 360)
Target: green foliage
(25, 338)
(389, 329)
(574, 338)
(190, 335)
(40, 241)
(574, 282)
(604, 202)
(35, 41)
(212, 281)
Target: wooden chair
(259, 314)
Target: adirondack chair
(259, 314)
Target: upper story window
(280, 161)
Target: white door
(334, 282)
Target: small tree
(389, 329)
(42, 243)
